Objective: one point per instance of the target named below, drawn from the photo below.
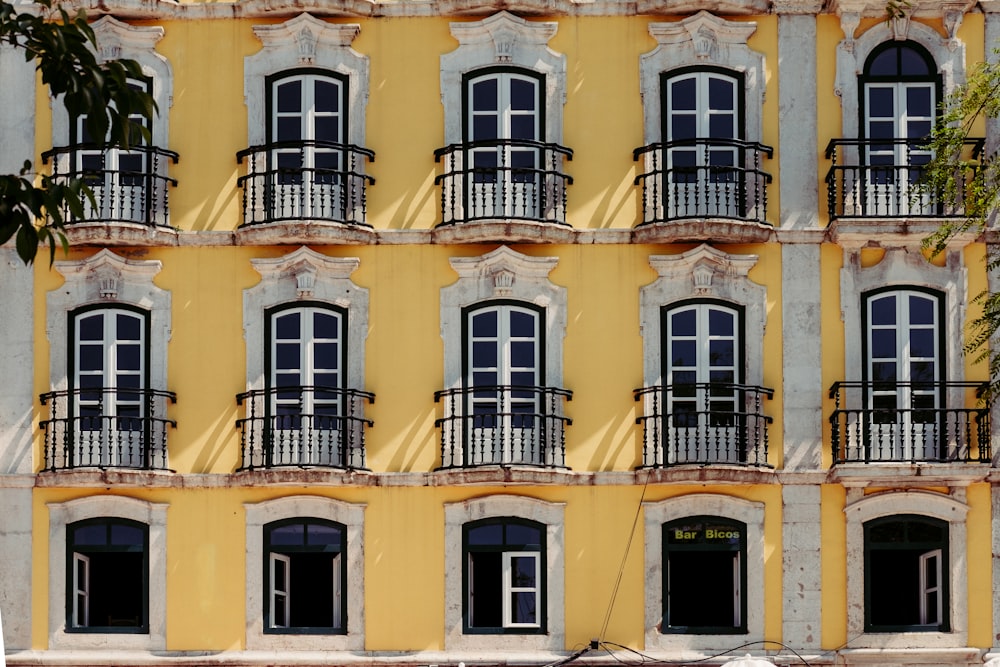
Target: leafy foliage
(970, 182)
(64, 50)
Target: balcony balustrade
(305, 181)
(503, 179)
(703, 178)
(880, 178)
(106, 427)
(503, 425)
(909, 422)
(303, 426)
(704, 423)
(128, 186)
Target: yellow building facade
(437, 333)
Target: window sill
(703, 229)
(920, 475)
(860, 231)
(891, 655)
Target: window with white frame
(504, 583)
(128, 185)
(704, 576)
(305, 326)
(304, 576)
(504, 574)
(107, 573)
(109, 562)
(905, 559)
(306, 91)
(109, 327)
(502, 324)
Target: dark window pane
(327, 128)
(311, 595)
(884, 310)
(327, 96)
(289, 129)
(682, 94)
(885, 64)
(522, 95)
(883, 343)
(289, 97)
(683, 353)
(126, 535)
(523, 128)
(326, 325)
(912, 63)
(484, 324)
(683, 323)
(683, 126)
(321, 533)
(921, 310)
(90, 534)
(720, 94)
(484, 95)
(700, 590)
(522, 324)
(91, 327)
(484, 354)
(485, 590)
(522, 354)
(287, 326)
(523, 607)
(519, 534)
(720, 323)
(491, 533)
(288, 534)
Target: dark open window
(906, 574)
(504, 582)
(305, 567)
(704, 576)
(107, 566)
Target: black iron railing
(503, 179)
(303, 426)
(127, 186)
(108, 427)
(503, 425)
(703, 423)
(880, 178)
(703, 178)
(289, 181)
(909, 422)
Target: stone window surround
(116, 39)
(703, 504)
(305, 41)
(701, 41)
(154, 515)
(107, 279)
(352, 516)
(305, 274)
(948, 54)
(905, 267)
(861, 508)
(707, 273)
(502, 274)
(506, 40)
(497, 506)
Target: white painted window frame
(551, 515)
(509, 588)
(657, 513)
(351, 516)
(154, 516)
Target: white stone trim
(703, 504)
(485, 278)
(110, 280)
(305, 274)
(948, 54)
(703, 273)
(16, 551)
(953, 509)
(904, 268)
(702, 40)
(506, 40)
(154, 515)
(305, 41)
(456, 515)
(352, 516)
(116, 39)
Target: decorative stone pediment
(503, 261)
(121, 40)
(504, 33)
(305, 262)
(107, 276)
(305, 34)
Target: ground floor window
(107, 570)
(906, 566)
(504, 583)
(304, 573)
(704, 576)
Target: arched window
(906, 574)
(504, 582)
(305, 568)
(704, 576)
(503, 125)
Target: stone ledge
(909, 474)
(708, 229)
(119, 233)
(503, 231)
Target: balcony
(503, 425)
(305, 182)
(704, 423)
(503, 180)
(699, 188)
(128, 186)
(878, 178)
(109, 427)
(904, 422)
(303, 426)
